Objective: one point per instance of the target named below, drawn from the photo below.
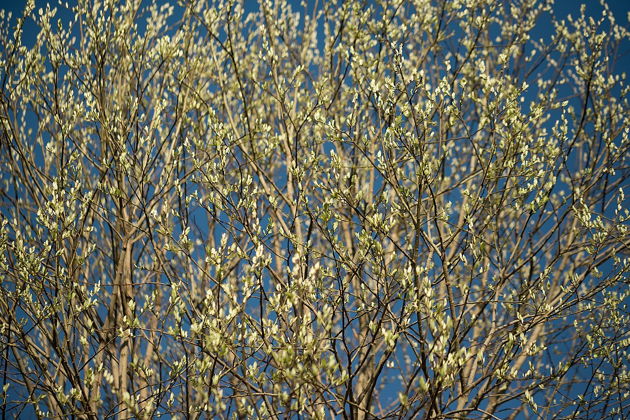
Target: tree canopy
(340, 209)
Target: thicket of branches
(352, 209)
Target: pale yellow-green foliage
(357, 209)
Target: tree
(364, 209)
